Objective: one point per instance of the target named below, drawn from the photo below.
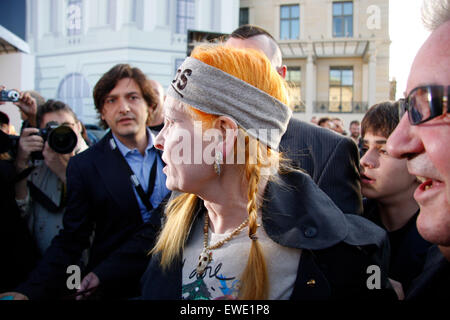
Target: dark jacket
(100, 198)
(19, 252)
(434, 281)
(408, 248)
(330, 159)
(337, 249)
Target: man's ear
(229, 131)
(282, 71)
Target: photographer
(40, 193)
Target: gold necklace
(206, 256)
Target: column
(150, 14)
(365, 82)
(372, 79)
(310, 86)
(116, 14)
(203, 15)
(229, 17)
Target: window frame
(184, 15)
(344, 18)
(341, 86)
(76, 31)
(247, 14)
(290, 20)
(297, 106)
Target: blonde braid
(254, 279)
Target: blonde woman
(245, 226)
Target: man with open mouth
(422, 139)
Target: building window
(343, 19)
(294, 80)
(74, 17)
(341, 89)
(289, 22)
(185, 15)
(243, 16)
(75, 91)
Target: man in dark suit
(113, 188)
(330, 159)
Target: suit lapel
(115, 176)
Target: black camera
(9, 95)
(61, 138)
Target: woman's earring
(218, 160)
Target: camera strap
(145, 197)
(24, 173)
(40, 197)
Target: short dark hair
(4, 119)
(248, 30)
(354, 122)
(323, 120)
(381, 119)
(52, 106)
(109, 80)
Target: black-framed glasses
(425, 103)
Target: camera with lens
(9, 95)
(61, 138)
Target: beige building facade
(336, 51)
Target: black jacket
(100, 198)
(434, 281)
(408, 248)
(337, 249)
(330, 159)
(18, 248)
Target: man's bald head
(259, 42)
(254, 37)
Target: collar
(296, 213)
(82, 145)
(124, 150)
(157, 128)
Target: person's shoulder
(92, 152)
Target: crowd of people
(213, 190)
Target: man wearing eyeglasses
(422, 138)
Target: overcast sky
(407, 35)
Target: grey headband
(213, 91)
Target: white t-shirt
(221, 277)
